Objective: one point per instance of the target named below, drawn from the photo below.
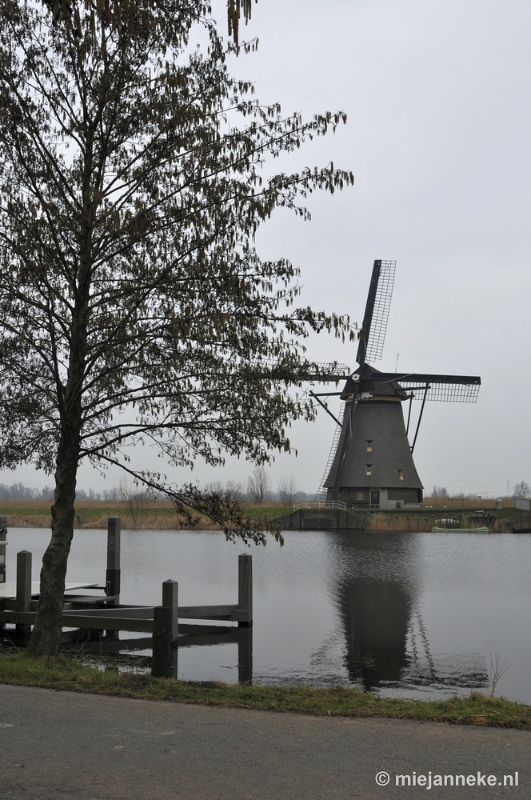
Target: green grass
(154, 515)
(69, 675)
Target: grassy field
(160, 515)
(152, 515)
(69, 675)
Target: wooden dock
(103, 616)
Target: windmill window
(401, 474)
(368, 469)
(369, 446)
(361, 496)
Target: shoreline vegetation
(65, 674)
(160, 515)
(93, 514)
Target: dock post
(245, 587)
(113, 573)
(170, 599)
(245, 655)
(23, 601)
(174, 662)
(3, 537)
(162, 649)
(112, 576)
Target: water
(411, 614)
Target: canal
(404, 614)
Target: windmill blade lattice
(321, 492)
(380, 314)
(447, 392)
(444, 388)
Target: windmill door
(375, 499)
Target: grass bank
(151, 515)
(423, 520)
(68, 675)
(160, 515)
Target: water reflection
(243, 637)
(129, 654)
(377, 592)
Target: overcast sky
(438, 137)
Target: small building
(522, 503)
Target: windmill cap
(361, 382)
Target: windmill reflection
(376, 620)
(386, 642)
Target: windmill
(371, 462)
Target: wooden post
(112, 576)
(162, 649)
(3, 537)
(245, 587)
(113, 573)
(23, 601)
(245, 655)
(170, 599)
(174, 662)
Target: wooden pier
(100, 618)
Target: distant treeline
(286, 493)
(17, 491)
(521, 489)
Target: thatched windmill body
(371, 461)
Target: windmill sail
(321, 492)
(446, 388)
(377, 311)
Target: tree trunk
(46, 636)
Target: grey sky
(438, 136)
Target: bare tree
(112, 494)
(215, 487)
(231, 492)
(234, 492)
(134, 498)
(440, 491)
(287, 490)
(521, 489)
(258, 486)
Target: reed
(160, 515)
(153, 515)
(401, 522)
